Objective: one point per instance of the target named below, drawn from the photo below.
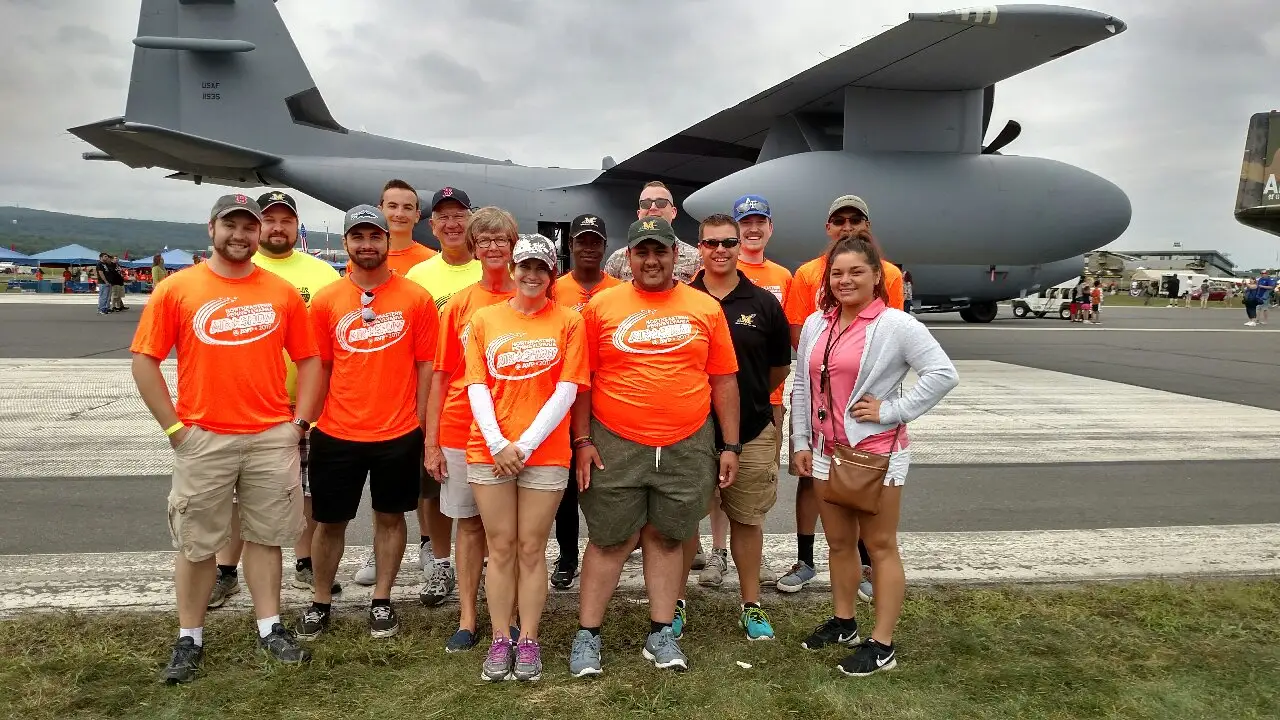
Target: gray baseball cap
(365, 215)
(850, 201)
(536, 247)
(239, 202)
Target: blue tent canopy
(172, 259)
(70, 255)
(7, 255)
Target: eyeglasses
(366, 310)
(847, 220)
(489, 242)
(660, 203)
(726, 243)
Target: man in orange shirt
(232, 430)
(377, 334)
(586, 279)
(848, 216)
(399, 203)
(661, 357)
(491, 235)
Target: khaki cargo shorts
(262, 469)
(669, 488)
(551, 478)
(754, 493)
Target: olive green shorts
(669, 488)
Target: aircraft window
(308, 108)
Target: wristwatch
(304, 424)
(735, 448)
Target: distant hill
(32, 231)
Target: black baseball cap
(450, 193)
(587, 223)
(275, 197)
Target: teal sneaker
(677, 623)
(756, 623)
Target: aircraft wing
(968, 49)
(194, 158)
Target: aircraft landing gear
(982, 312)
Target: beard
(278, 244)
(369, 262)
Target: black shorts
(339, 467)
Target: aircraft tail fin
(219, 91)
(1258, 200)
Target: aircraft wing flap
(957, 50)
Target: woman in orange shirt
(525, 361)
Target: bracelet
(582, 442)
(174, 428)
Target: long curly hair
(862, 242)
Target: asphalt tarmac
(1201, 353)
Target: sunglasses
(727, 243)
(847, 220)
(659, 203)
(366, 310)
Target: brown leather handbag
(856, 477)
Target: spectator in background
(101, 273)
(907, 292)
(158, 272)
(1266, 287)
(1252, 295)
(115, 277)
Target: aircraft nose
(1108, 215)
(708, 200)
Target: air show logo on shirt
(219, 322)
(510, 358)
(657, 336)
(354, 335)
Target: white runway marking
(143, 580)
(84, 418)
(30, 298)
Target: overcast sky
(1162, 110)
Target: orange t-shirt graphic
(570, 294)
(231, 335)
(400, 261)
(455, 319)
(373, 387)
(776, 279)
(650, 357)
(806, 288)
(521, 358)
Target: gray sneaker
(801, 574)
(305, 579)
(700, 559)
(717, 565)
(663, 651)
(528, 667)
(368, 572)
(282, 645)
(584, 658)
(225, 587)
(440, 585)
(497, 666)
(426, 559)
(865, 592)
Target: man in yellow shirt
(308, 274)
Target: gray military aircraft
(1258, 199)
(220, 94)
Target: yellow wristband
(174, 428)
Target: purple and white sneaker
(497, 666)
(528, 666)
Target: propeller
(1007, 134)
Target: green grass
(1145, 650)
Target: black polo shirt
(762, 341)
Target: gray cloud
(1161, 110)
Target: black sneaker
(283, 646)
(314, 621)
(869, 659)
(383, 622)
(566, 571)
(185, 662)
(830, 633)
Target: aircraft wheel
(1020, 311)
(983, 312)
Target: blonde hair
(491, 219)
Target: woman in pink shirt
(853, 355)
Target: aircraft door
(558, 233)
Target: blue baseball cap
(750, 205)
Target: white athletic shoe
(368, 572)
